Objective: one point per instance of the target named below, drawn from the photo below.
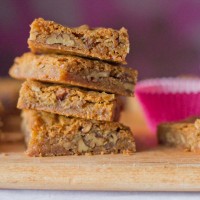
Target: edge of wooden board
(153, 170)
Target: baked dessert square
(93, 74)
(55, 135)
(68, 101)
(184, 134)
(100, 43)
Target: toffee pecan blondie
(68, 101)
(55, 135)
(99, 43)
(185, 134)
(75, 71)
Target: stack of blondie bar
(70, 98)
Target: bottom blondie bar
(50, 134)
(184, 134)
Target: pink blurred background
(164, 34)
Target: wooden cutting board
(152, 168)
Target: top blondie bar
(100, 43)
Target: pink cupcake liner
(168, 99)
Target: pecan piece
(87, 128)
(61, 94)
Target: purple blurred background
(164, 34)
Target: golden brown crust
(100, 43)
(53, 135)
(68, 101)
(75, 71)
(184, 134)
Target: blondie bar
(100, 43)
(68, 101)
(76, 71)
(55, 135)
(185, 134)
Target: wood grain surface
(152, 168)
